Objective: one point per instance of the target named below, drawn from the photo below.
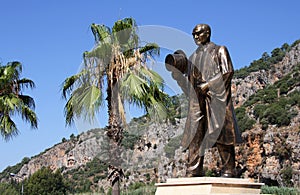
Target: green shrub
(13, 169)
(139, 188)
(44, 182)
(287, 175)
(8, 189)
(243, 120)
(129, 140)
(263, 63)
(279, 191)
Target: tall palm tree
(12, 100)
(115, 66)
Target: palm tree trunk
(114, 132)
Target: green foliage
(84, 178)
(287, 176)
(45, 182)
(129, 140)
(278, 112)
(276, 115)
(265, 96)
(128, 75)
(139, 188)
(243, 120)
(271, 107)
(210, 173)
(295, 43)
(8, 189)
(5, 174)
(289, 81)
(294, 98)
(265, 62)
(172, 145)
(12, 100)
(279, 190)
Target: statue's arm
(225, 65)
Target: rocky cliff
(244, 87)
(152, 152)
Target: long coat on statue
(211, 117)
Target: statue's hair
(199, 27)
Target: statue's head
(201, 34)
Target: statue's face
(201, 36)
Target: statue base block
(207, 185)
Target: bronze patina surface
(205, 78)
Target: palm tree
(12, 100)
(116, 66)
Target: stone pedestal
(207, 185)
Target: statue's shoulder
(223, 50)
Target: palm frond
(26, 83)
(69, 112)
(8, 128)
(152, 77)
(126, 23)
(28, 101)
(12, 100)
(10, 103)
(69, 83)
(29, 116)
(84, 101)
(124, 33)
(101, 33)
(12, 70)
(157, 110)
(151, 48)
(102, 52)
(133, 88)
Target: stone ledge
(207, 185)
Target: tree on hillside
(44, 182)
(116, 66)
(8, 189)
(13, 101)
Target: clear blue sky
(49, 37)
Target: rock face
(243, 88)
(265, 155)
(69, 154)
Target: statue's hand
(204, 87)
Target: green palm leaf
(157, 109)
(12, 100)
(101, 33)
(150, 48)
(102, 52)
(124, 33)
(26, 83)
(27, 101)
(70, 82)
(29, 116)
(133, 88)
(152, 77)
(118, 63)
(8, 128)
(84, 101)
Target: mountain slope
(266, 96)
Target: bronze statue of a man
(206, 80)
